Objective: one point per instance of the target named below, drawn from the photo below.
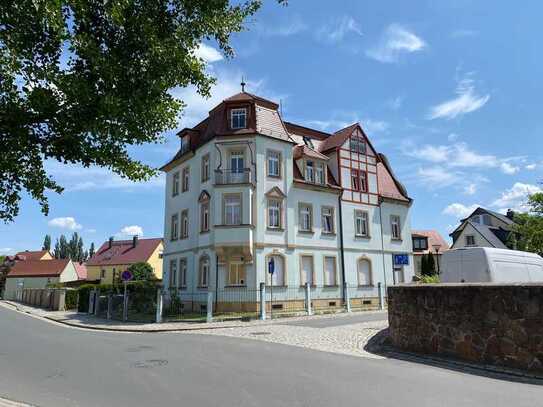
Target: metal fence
(154, 304)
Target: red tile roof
(38, 268)
(81, 270)
(388, 186)
(31, 255)
(303, 150)
(434, 238)
(122, 252)
(338, 138)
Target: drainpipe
(342, 252)
(216, 281)
(383, 245)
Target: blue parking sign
(401, 259)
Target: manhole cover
(260, 333)
(150, 363)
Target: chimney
(110, 242)
(510, 213)
(135, 241)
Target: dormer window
(319, 174)
(314, 172)
(185, 144)
(310, 171)
(357, 144)
(238, 118)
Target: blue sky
(450, 91)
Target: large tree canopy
(529, 227)
(80, 80)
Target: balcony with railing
(236, 176)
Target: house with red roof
(248, 190)
(38, 274)
(9, 262)
(115, 256)
(425, 242)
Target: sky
(449, 91)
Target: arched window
(364, 272)
(203, 272)
(278, 276)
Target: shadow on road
(379, 345)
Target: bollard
(97, 303)
(209, 308)
(263, 301)
(347, 298)
(159, 302)
(90, 310)
(308, 299)
(381, 299)
(125, 304)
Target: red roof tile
(31, 255)
(434, 238)
(38, 268)
(338, 138)
(388, 187)
(303, 150)
(81, 270)
(122, 252)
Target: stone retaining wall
(485, 323)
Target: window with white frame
(184, 224)
(186, 178)
(330, 271)
(278, 276)
(232, 209)
(174, 227)
(305, 217)
(204, 216)
(237, 164)
(274, 163)
(363, 181)
(364, 272)
(355, 180)
(361, 225)
(173, 273)
(327, 219)
(175, 184)
(236, 273)
(306, 272)
(238, 118)
(205, 168)
(395, 227)
(310, 171)
(203, 275)
(274, 213)
(470, 240)
(357, 144)
(182, 273)
(319, 174)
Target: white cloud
(67, 222)
(395, 41)
(459, 210)
(288, 28)
(466, 101)
(337, 31)
(531, 167)
(341, 120)
(129, 231)
(208, 53)
(508, 168)
(437, 177)
(515, 197)
(6, 251)
(470, 189)
(453, 137)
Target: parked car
(486, 264)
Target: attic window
(357, 144)
(308, 142)
(238, 118)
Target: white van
(490, 265)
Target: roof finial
(242, 84)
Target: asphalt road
(49, 365)
(343, 319)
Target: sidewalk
(81, 320)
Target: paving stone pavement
(345, 339)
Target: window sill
(204, 232)
(366, 286)
(396, 239)
(174, 240)
(202, 287)
(275, 177)
(276, 286)
(182, 288)
(328, 233)
(330, 286)
(310, 286)
(362, 236)
(235, 286)
(306, 232)
(270, 229)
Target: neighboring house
(246, 187)
(424, 242)
(483, 228)
(81, 270)
(9, 262)
(37, 274)
(114, 257)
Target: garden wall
(485, 323)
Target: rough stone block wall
(484, 323)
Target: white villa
(246, 187)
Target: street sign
(126, 275)
(271, 266)
(401, 259)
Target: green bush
(139, 291)
(431, 279)
(71, 301)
